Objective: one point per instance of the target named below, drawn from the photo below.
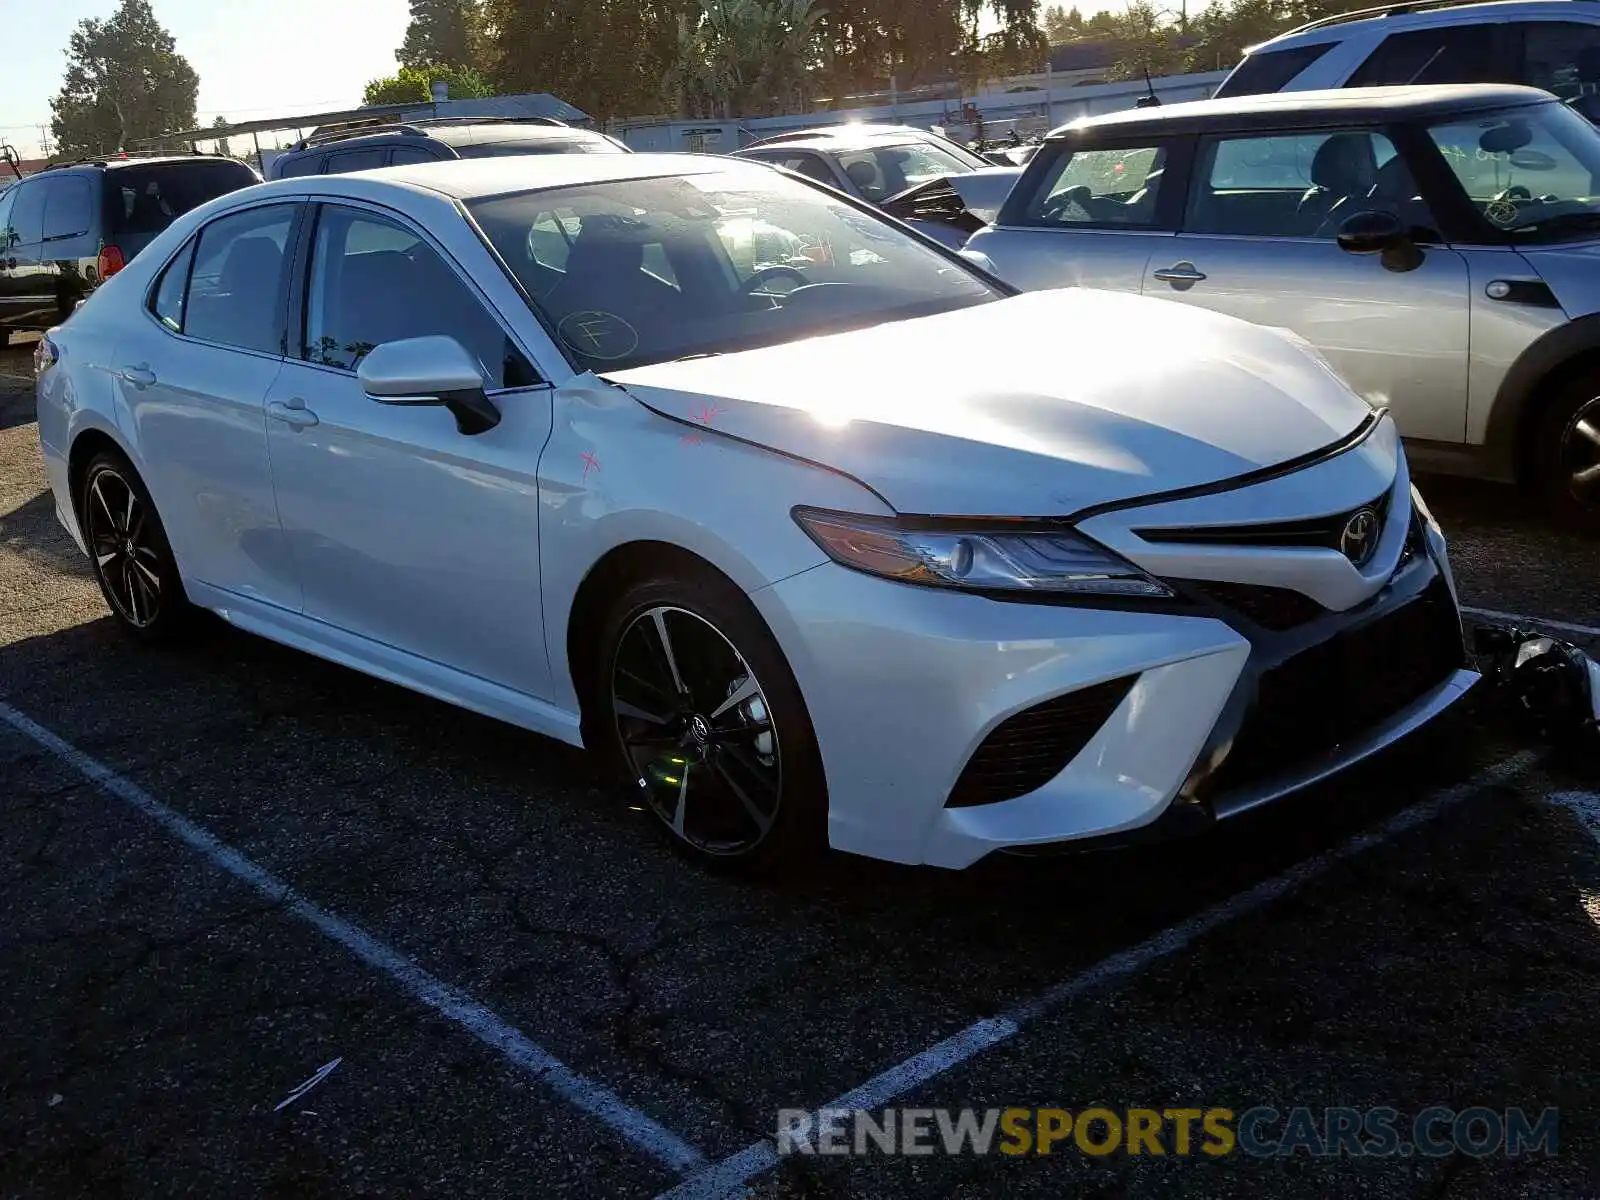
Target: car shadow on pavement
(32, 532)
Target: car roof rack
(418, 126)
(118, 156)
(1383, 10)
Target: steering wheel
(766, 273)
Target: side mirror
(429, 371)
(1381, 233)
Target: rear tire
(129, 552)
(697, 713)
(1567, 455)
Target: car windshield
(1532, 171)
(884, 171)
(638, 271)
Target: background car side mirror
(1381, 233)
(429, 371)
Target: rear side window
(308, 164)
(358, 160)
(1100, 188)
(236, 288)
(68, 208)
(1562, 57)
(412, 154)
(149, 197)
(167, 300)
(1269, 70)
(1450, 54)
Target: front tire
(1568, 455)
(128, 549)
(697, 711)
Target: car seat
(1340, 169)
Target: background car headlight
(994, 557)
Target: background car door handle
(1183, 272)
(292, 412)
(140, 376)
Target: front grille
(1340, 688)
(1323, 532)
(1271, 608)
(1029, 748)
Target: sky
(255, 58)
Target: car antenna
(1150, 99)
(8, 153)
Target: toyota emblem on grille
(1359, 538)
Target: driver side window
(1109, 188)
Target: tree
(412, 84)
(1061, 25)
(442, 33)
(744, 58)
(222, 143)
(125, 80)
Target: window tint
(357, 160)
(1302, 186)
(167, 301)
(308, 164)
(235, 290)
(27, 215)
(1100, 187)
(68, 204)
(1450, 54)
(150, 196)
(373, 281)
(890, 170)
(7, 199)
(1561, 57)
(412, 154)
(812, 165)
(1269, 70)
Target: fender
(1517, 401)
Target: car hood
(1044, 403)
(1570, 271)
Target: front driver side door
(1259, 242)
(404, 531)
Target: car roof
(1422, 14)
(111, 163)
(472, 135)
(1306, 109)
(476, 178)
(835, 137)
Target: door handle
(292, 412)
(1183, 272)
(139, 377)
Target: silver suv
(1439, 245)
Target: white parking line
(1564, 626)
(579, 1091)
(728, 1177)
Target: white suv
(1549, 44)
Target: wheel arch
(1537, 376)
(86, 443)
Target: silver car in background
(1438, 246)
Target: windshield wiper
(697, 354)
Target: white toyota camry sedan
(708, 469)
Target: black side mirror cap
(1382, 233)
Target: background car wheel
(698, 712)
(1568, 465)
(128, 548)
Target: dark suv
(68, 227)
(364, 148)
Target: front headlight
(977, 556)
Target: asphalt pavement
(227, 866)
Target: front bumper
(1210, 708)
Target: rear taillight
(110, 261)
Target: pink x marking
(707, 412)
(589, 460)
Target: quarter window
(167, 302)
(1299, 185)
(235, 294)
(1269, 70)
(357, 160)
(374, 281)
(411, 154)
(1090, 188)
